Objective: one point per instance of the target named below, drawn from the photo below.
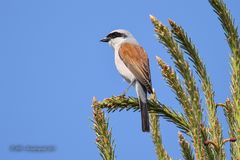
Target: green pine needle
(156, 136)
(185, 148)
(232, 38)
(170, 76)
(104, 140)
(166, 38)
(120, 103)
(190, 49)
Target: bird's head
(117, 37)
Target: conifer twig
(156, 135)
(104, 140)
(185, 148)
(231, 33)
(130, 103)
(229, 140)
(171, 77)
(157, 139)
(228, 112)
(221, 105)
(190, 49)
(166, 38)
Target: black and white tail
(142, 96)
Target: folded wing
(136, 59)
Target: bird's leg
(126, 90)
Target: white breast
(122, 69)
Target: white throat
(116, 42)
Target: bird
(132, 63)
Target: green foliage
(130, 103)
(232, 111)
(157, 139)
(193, 108)
(104, 135)
(185, 148)
(207, 142)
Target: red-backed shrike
(132, 63)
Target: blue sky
(52, 64)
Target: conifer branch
(209, 149)
(175, 84)
(228, 25)
(171, 77)
(166, 38)
(185, 148)
(208, 142)
(104, 140)
(157, 139)
(229, 140)
(232, 37)
(220, 105)
(228, 112)
(190, 49)
(130, 103)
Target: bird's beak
(105, 39)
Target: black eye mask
(115, 35)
